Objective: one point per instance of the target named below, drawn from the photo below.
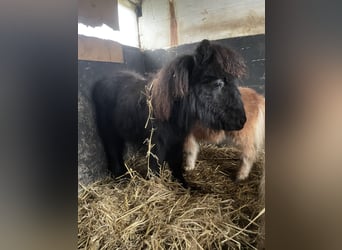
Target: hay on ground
(157, 213)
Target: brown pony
(250, 140)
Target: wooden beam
(173, 24)
(95, 49)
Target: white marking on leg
(191, 150)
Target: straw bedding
(157, 213)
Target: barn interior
(142, 36)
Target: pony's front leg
(156, 159)
(175, 161)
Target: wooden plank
(95, 49)
(173, 24)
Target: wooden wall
(195, 20)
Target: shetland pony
(198, 87)
(250, 139)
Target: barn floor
(158, 213)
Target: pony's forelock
(230, 61)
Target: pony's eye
(219, 83)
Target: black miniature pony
(191, 88)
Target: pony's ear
(171, 84)
(203, 52)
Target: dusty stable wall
(195, 20)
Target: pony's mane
(170, 83)
(230, 61)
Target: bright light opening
(128, 33)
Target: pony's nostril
(243, 120)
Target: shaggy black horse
(199, 87)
